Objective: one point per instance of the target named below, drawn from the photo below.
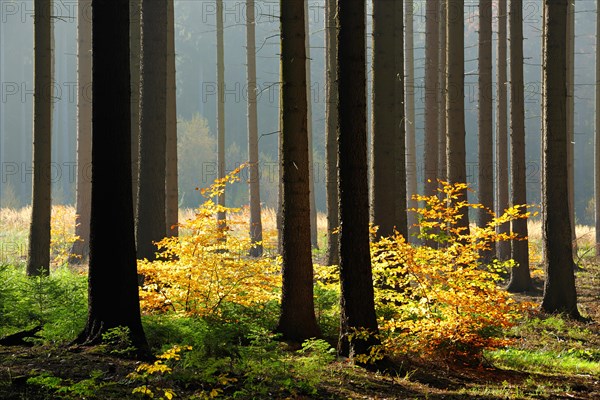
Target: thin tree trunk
(486, 136)
(254, 184)
(357, 308)
(442, 164)
(314, 234)
(411, 149)
(384, 191)
(172, 179)
(520, 279)
(221, 216)
(597, 134)
(81, 248)
(571, 118)
(455, 108)
(113, 299)
(333, 254)
(503, 248)
(297, 321)
(135, 57)
(430, 154)
(560, 295)
(151, 214)
(38, 261)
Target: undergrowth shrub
(197, 274)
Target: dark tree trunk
(559, 289)
(486, 158)
(455, 108)
(357, 297)
(172, 178)
(297, 321)
(151, 219)
(571, 119)
(135, 57)
(442, 163)
(520, 279)
(38, 260)
(430, 154)
(112, 292)
(333, 221)
(81, 248)
(254, 183)
(597, 135)
(221, 216)
(503, 248)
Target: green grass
(540, 361)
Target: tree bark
(135, 57)
(597, 135)
(331, 115)
(221, 216)
(411, 149)
(520, 279)
(357, 308)
(560, 295)
(254, 183)
(113, 299)
(455, 108)
(297, 321)
(38, 260)
(486, 157)
(151, 218)
(81, 248)
(442, 163)
(503, 248)
(172, 179)
(430, 154)
(571, 118)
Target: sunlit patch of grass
(527, 389)
(559, 363)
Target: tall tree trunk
(113, 299)
(597, 133)
(254, 184)
(442, 164)
(400, 213)
(430, 156)
(297, 320)
(314, 234)
(333, 243)
(486, 135)
(520, 279)
(151, 218)
(455, 108)
(38, 261)
(543, 129)
(172, 178)
(81, 248)
(503, 247)
(571, 118)
(357, 308)
(384, 191)
(221, 216)
(560, 295)
(135, 57)
(411, 148)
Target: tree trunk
(357, 308)
(411, 149)
(113, 299)
(221, 216)
(442, 164)
(430, 154)
(38, 261)
(254, 184)
(135, 57)
(151, 219)
(597, 134)
(571, 118)
(503, 248)
(297, 321)
(81, 248)
(172, 178)
(455, 108)
(333, 243)
(520, 279)
(486, 157)
(559, 288)
(385, 139)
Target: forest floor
(547, 360)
